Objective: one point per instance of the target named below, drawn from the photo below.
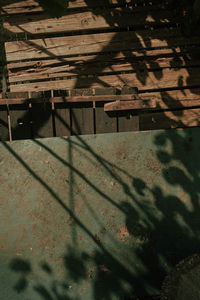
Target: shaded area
(130, 222)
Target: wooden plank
(66, 70)
(62, 119)
(3, 124)
(82, 119)
(20, 122)
(128, 122)
(89, 44)
(164, 100)
(66, 99)
(43, 65)
(82, 114)
(130, 105)
(30, 6)
(87, 20)
(170, 119)
(104, 123)
(42, 120)
(158, 79)
(125, 119)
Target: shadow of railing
(160, 216)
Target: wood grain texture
(62, 119)
(88, 44)
(82, 114)
(86, 20)
(170, 119)
(161, 79)
(128, 122)
(30, 6)
(68, 69)
(130, 105)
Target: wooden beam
(73, 99)
(170, 119)
(130, 105)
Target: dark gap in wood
(20, 119)
(117, 120)
(31, 121)
(53, 120)
(42, 120)
(71, 133)
(94, 120)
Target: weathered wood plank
(128, 122)
(130, 105)
(66, 99)
(89, 20)
(30, 6)
(170, 119)
(89, 44)
(104, 123)
(158, 79)
(62, 119)
(20, 122)
(164, 100)
(3, 124)
(60, 70)
(82, 119)
(82, 114)
(105, 58)
(42, 120)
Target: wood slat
(62, 119)
(68, 70)
(42, 120)
(130, 105)
(30, 6)
(82, 114)
(170, 119)
(104, 58)
(161, 79)
(3, 124)
(128, 122)
(89, 20)
(20, 117)
(104, 123)
(164, 100)
(66, 99)
(82, 119)
(58, 47)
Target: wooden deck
(59, 70)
